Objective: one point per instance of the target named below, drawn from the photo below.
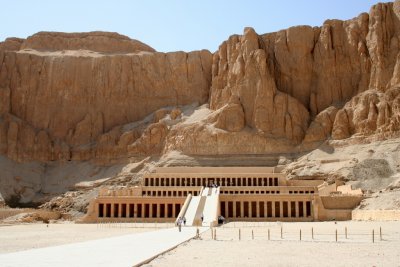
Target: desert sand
(227, 250)
(28, 236)
(323, 250)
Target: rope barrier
(290, 235)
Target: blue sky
(171, 25)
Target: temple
(202, 194)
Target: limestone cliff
(60, 100)
(103, 96)
(104, 42)
(291, 83)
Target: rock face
(104, 42)
(367, 113)
(104, 96)
(291, 83)
(240, 68)
(231, 117)
(65, 100)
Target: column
(105, 210)
(265, 209)
(273, 208)
(234, 209)
(128, 210)
(119, 210)
(158, 210)
(112, 210)
(305, 209)
(174, 211)
(241, 209)
(166, 210)
(297, 209)
(258, 208)
(143, 210)
(134, 210)
(281, 209)
(314, 209)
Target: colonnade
(266, 209)
(227, 191)
(169, 193)
(161, 196)
(204, 181)
(138, 210)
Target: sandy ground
(27, 236)
(323, 250)
(118, 251)
(382, 200)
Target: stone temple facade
(202, 194)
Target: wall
(218, 170)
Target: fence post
(252, 234)
(312, 232)
(345, 232)
(281, 232)
(300, 234)
(212, 233)
(336, 234)
(239, 234)
(269, 234)
(373, 236)
(215, 234)
(380, 233)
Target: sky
(171, 25)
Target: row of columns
(271, 209)
(138, 210)
(229, 192)
(165, 193)
(237, 181)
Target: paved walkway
(127, 250)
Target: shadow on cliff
(30, 184)
(326, 148)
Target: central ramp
(210, 211)
(205, 205)
(191, 211)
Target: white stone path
(126, 250)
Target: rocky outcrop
(151, 141)
(368, 113)
(231, 116)
(204, 139)
(383, 43)
(82, 96)
(104, 42)
(240, 68)
(321, 127)
(75, 97)
(11, 44)
(292, 82)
